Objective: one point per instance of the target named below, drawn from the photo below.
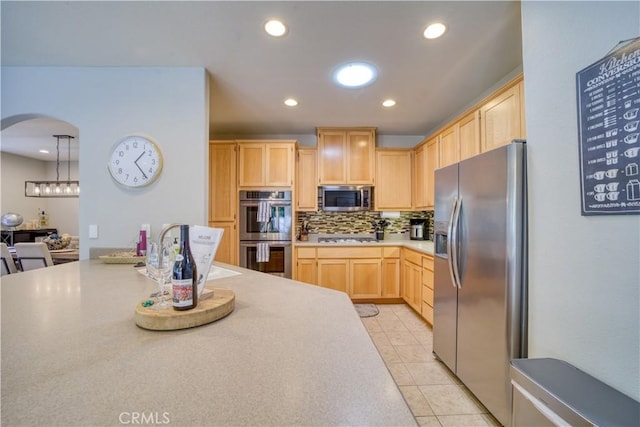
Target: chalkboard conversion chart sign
(609, 132)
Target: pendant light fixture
(55, 188)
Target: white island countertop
(289, 354)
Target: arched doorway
(28, 152)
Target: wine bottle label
(182, 292)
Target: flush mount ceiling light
(55, 188)
(388, 103)
(355, 74)
(290, 102)
(275, 28)
(434, 31)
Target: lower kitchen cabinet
(228, 249)
(412, 284)
(334, 274)
(427, 288)
(362, 273)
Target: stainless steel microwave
(341, 198)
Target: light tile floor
(434, 395)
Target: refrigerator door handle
(455, 241)
(450, 250)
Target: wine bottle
(184, 279)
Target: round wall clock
(135, 161)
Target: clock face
(135, 161)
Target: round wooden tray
(208, 310)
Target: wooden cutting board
(167, 319)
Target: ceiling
(252, 73)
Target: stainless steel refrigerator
(480, 293)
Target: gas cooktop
(346, 240)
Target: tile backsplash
(322, 222)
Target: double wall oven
(266, 231)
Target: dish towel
(262, 252)
(264, 211)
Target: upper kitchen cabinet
(346, 156)
(306, 180)
(501, 117)
(223, 193)
(449, 146)
(426, 161)
(393, 179)
(469, 135)
(266, 163)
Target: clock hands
(136, 163)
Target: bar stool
(33, 255)
(8, 265)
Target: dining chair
(33, 255)
(8, 265)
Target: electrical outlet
(93, 231)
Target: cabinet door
(391, 277)
(334, 274)
(306, 180)
(431, 164)
(251, 164)
(223, 193)
(411, 285)
(279, 164)
(500, 119)
(228, 249)
(419, 181)
(449, 146)
(393, 180)
(523, 121)
(469, 136)
(360, 158)
(332, 157)
(365, 278)
(307, 271)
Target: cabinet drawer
(427, 278)
(351, 252)
(306, 252)
(427, 313)
(391, 252)
(427, 295)
(427, 262)
(413, 257)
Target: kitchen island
(289, 354)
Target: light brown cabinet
(412, 278)
(426, 160)
(449, 146)
(469, 135)
(346, 156)
(223, 198)
(393, 179)
(362, 273)
(501, 119)
(427, 288)
(306, 180)
(265, 163)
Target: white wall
(106, 104)
(584, 272)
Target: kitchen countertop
(289, 354)
(424, 246)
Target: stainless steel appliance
(266, 231)
(416, 229)
(480, 293)
(340, 198)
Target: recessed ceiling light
(434, 31)
(275, 28)
(44, 151)
(290, 102)
(355, 74)
(388, 103)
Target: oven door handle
(274, 204)
(272, 245)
